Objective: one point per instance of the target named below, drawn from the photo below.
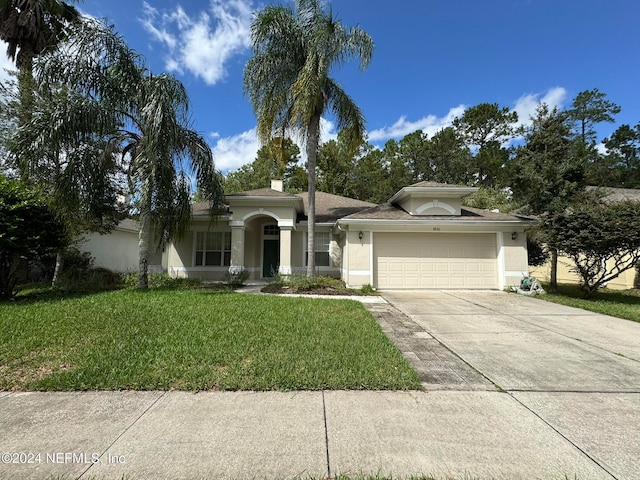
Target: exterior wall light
(360, 235)
(514, 236)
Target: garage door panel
(426, 267)
(412, 267)
(473, 268)
(435, 260)
(488, 268)
(457, 268)
(396, 267)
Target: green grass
(194, 340)
(617, 303)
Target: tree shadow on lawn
(604, 295)
(35, 293)
(42, 292)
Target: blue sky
(432, 59)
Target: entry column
(237, 247)
(285, 250)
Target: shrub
(161, 280)
(236, 279)
(28, 232)
(536, 251)
(302, 283)
(367, 289)
(79, 274)
(602, 239)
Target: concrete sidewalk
(513, 388)
(179, 435)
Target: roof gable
(389, 212)
(432, 198)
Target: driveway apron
(576, 371)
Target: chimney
(277, 185)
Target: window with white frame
(213, 249)
(271, 230)
(321, 247)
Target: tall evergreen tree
(589, 108)
(621, 164)
(547, 173)
(448, 158)
(485, 128)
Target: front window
(322, 244)
(213, 249)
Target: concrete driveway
(576, 371)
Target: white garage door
(435, 260)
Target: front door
(270, 257)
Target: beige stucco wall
(356, 258)
(566, 275)
(514, 259)
(117, 251)
(181, 253)
(297, 249)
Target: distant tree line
(484, 147)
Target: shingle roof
(330, 208)
(261, 192)
(387, 211)
(436, 185)
(203, 208)
(128, 224)
(619, 194)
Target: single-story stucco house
(421, 238)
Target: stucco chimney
(277, 185)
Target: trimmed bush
(79, 274)
(236, 279)
(161, 280)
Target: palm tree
(111, 98)
(159, 145)
(288, 83)
(29, 27)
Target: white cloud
(204, 43)
(429, 124)
(232, 152)
(527, 104)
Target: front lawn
(617, 303)
(195, 340)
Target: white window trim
(195, 250)
(328, 251)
